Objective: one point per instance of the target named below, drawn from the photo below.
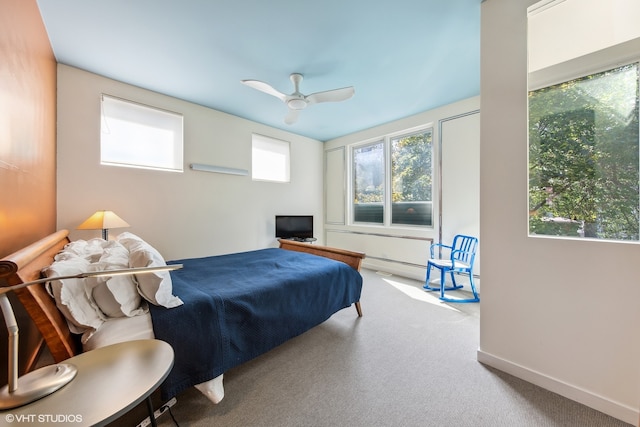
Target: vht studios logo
(43, 418)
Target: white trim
(615, 409)
(542, 6)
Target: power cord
(164, 408)
(172, 417)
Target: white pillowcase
(88, 303)
(73, 297)
(157, 287)
(90, 250)
(116, 296)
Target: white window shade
(270, 159)
(569, 38)
(136, 135)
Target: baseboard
(615, 409)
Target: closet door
(335, 186)
(460, 178)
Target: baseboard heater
(426, 240)
(410, 264)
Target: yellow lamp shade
(103, 220)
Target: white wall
(563, 314)
(182, 214)
(404, 246)
(600, 25)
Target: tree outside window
(412, 179)
(584, 178)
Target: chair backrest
(464, 249)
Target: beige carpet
(410, 361)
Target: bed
(230, 316)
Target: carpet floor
(409, 361)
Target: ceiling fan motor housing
(297, 103)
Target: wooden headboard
(26, 265)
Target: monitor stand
(303, 239)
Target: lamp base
(36, 385)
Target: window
(411, 179)
(368, 183)
(393, 180)
(270, 159)
(584, 151)
(135, 135)
(583, 157)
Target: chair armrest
(454, 258)
(438, 245)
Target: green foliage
(583, 156)
(411, 162)
(553, 228)
(411, 168)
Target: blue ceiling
(402, 56)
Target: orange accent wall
(27, 127)
(27, 150)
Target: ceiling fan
(298, 101)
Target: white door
(460, 179)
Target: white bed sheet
(122, 329)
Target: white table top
(110, 381)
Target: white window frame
(385, 173)
(594, 37)
(135, 135)
(387, 196)
(270, 159)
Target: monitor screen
(294, 226)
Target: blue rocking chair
(461, 255)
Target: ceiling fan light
(296, 103)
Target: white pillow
(72, 296)
(116, 296)
(89, 249)
(154, 287)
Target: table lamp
(46, 380)
(103, 220)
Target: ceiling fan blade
(266, 88)
(334, 95)
(291, 117)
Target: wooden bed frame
(26, 265)
(351, 258)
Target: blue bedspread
(239, 306)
